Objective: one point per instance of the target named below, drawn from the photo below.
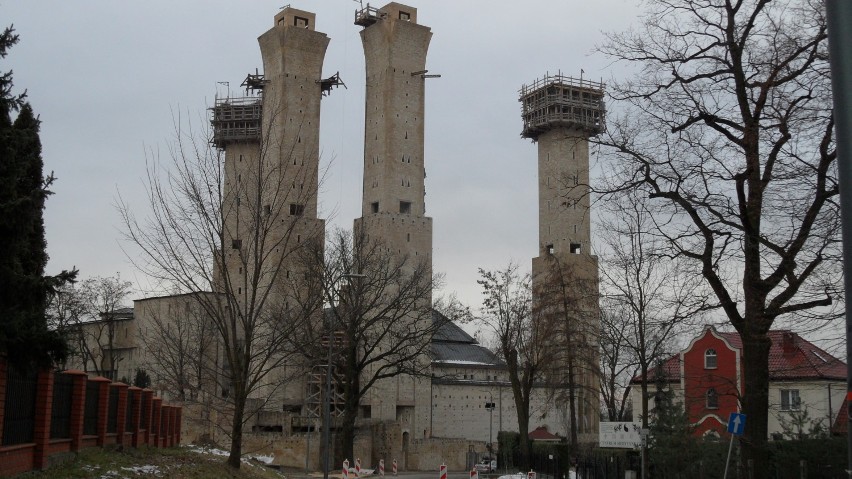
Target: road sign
(736, 423)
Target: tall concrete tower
(270, 139)
(394, 207)
(560, 114)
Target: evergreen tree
(24, 290)
(673, 450)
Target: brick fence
(43, 413)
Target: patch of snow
(111, 475)
(209, 450)
(148, 470)
(264, 459)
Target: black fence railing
(60, 412)
(132, 402)
(19, 419)
(144, 416)
(112, 414)
(90, 411)
(604, 466)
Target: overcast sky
(107, 78)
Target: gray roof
(452, 345)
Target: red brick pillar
(43, 409)
(147, 413)
(178, 425)
(156, 421)
(4, 372)
(78, 406)
(134, 400)
(103, 407)
(121, 412)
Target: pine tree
(24, 289)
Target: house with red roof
(806, 383)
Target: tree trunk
(644, 412)
(347, 429)
(237, 432)
(572, 404)
(755, 402)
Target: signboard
(736, 423)
(620, 435)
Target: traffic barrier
(531, 474)
(443, 472)
(346, 469)
(382, 467)
(474, 474)
(357, 468)
(395, 467)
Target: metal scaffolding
(556, 101)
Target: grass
(178, 463)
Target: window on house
(404, 16)
(236, 244)
(267, 209)
(374, 207)
(710, 359)
(575, 248)
(549, 249)
(405, 207)
(712, 399)
(297, 209)
(790, 400)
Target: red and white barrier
(531, 474)
(443, 472)
(395, 467)
(474, 474)
(346, 469)
(358, 468)
(382, 467)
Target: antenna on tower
(285, 6)
(360, 3)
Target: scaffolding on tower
(555, 101)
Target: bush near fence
(809, 458)
(44, 413)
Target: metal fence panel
(90, 415)
(60, 413)
(19, 418)
(112, 416)
(129, 425)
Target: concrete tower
(270, 140)
(393, 207)
(560, 114)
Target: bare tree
(565, 301)
(180, 346)
(522, 338)
(618, 361)
(728, 129)
(90, 314)
(228, 225)
(654, 296)
(377, 306)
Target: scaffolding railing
(562, 101)
(236, 119)
(368, 15)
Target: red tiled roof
(541, 434)
(790, 357)
(793, 357)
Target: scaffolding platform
(368, 15)
(236, 120)
(558, 101)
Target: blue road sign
(736, 423)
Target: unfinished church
(270, 136)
